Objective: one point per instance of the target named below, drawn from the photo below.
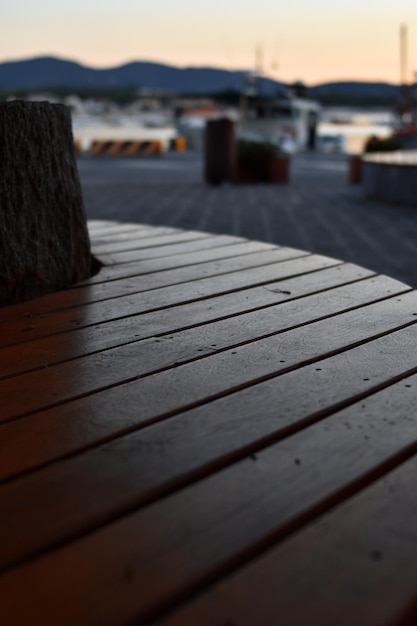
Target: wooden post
(44, 242)
(355, 169)
(219, 151)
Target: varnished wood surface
(210, 431)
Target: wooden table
(211, 431)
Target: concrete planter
(244, 174)
(280, 169)
(391, 177)
(278, 172)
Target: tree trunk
(44, 242)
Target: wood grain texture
(38, 324)
(42, 353)
(131, 236)
(234, 449)
(103, 227)
(106, 483)
(157, 240)
(334, 381)
(151, 281)
(147, 266)
(364, 557)
(140, 239)
(236, 351)
(194, 245)
(206, 530)
(21, 435)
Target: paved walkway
(318, 211)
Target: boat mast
(259, 66)
(403, 53)
(407, 104)
(252, 84)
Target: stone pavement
(318, 210)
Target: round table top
(210, 431)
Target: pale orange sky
(313, 41)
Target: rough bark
(44, 242)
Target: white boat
(288, 120)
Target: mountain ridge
(46, 71)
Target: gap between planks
(213, 504)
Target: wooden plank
(104, 239)
(184, 260)
(150, 242)
(41, 325)
(97, 224)
(108, 482)
(107, 236)
(43, 437)
(365, 560)
(47, 351)
(164, 251)
(258, 330)
(158, 241)
(298, 467)
(214, 527)
(136, 284)
(115, 227)
(141, 267)
(138, 240)
(101, 224)
(253, 255)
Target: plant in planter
(257, 161)
(376, 144)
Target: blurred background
(158, 70)
(320, 81)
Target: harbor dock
(317, 211)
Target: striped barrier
(179, 144)
(126, 148)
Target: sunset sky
(310, 40)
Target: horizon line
(58, 57)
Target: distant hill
(352, 92)
(356, 87)
(46, 72)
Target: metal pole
(403, 54)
